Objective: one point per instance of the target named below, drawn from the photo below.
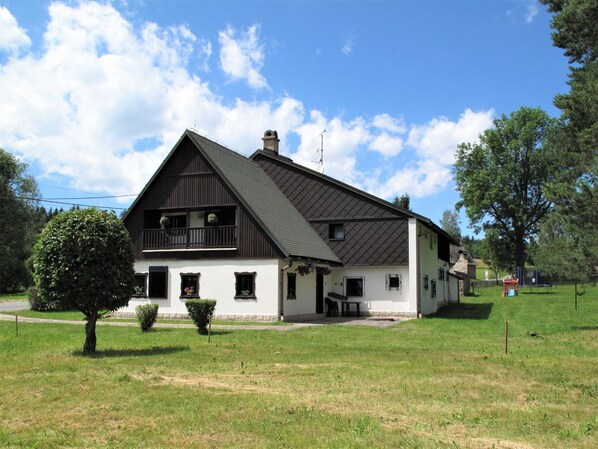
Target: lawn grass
(12, 297)
(439, 382)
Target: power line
(75, 204)
(41, 200)
(93, 197)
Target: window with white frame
(441, 274)
(354, 286)
(394, 282)
(433, 288)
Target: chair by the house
(331, 307)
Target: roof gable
(260, 197)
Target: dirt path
(289, 327)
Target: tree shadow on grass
(218, 332)
(142, 352)
(465, 311)
(585, 328)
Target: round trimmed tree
(83, 260)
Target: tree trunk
(519, 249)
(90, 334)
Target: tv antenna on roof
(321, 153)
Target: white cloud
(532, 11)
(434, 144)
(419, 179)
(387, 145)
(438, 139)
(386, 139)
(242, 58)
(12, 36)
(101, 88)
(526, 9)
(205, 51)
(347, 47)
(389, 123)
(342, 141)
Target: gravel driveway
(13, 306)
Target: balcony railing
(190, 238)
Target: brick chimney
(271, 141)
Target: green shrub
(146, 315)
(38, 302)
(201, 312)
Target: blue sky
(94, 95)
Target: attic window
(336, 231)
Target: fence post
(506, 337)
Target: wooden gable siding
(374, 234)
(187, 182)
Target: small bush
(38, 303)
(146, 315)
(201, 312)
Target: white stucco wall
(305, 302)
(217, 281)
(429, 264)
(377, 299)
(453, 295)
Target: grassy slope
(433, 383)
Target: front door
(319, 293)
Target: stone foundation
(385, 314)
(185, 316)
(366, 314)
(269, 318)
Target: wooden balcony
(212, 237)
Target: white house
(270, 239)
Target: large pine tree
(572, 230)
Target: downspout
(281, 290)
